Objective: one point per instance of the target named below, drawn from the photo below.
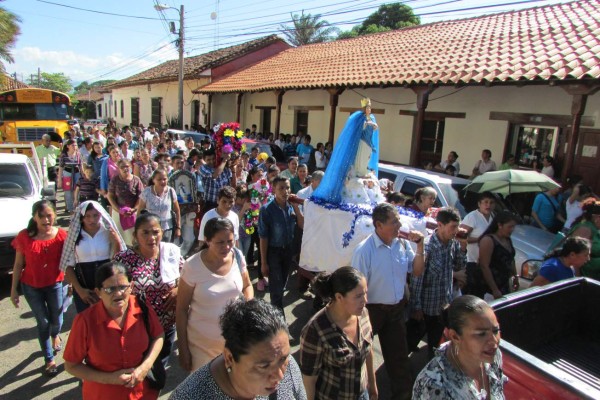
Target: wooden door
(587, 158)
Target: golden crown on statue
(365, 102)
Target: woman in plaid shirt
(337, 342)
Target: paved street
(20, 369)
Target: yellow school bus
(28, 114)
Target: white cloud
(80, 67)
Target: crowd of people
(138, 281)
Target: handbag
(157, 375)
(67, 183)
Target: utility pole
(180, 100)
(180, 45)
(39, 77)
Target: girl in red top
(36, 267)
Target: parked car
(20, 186)
(99, 123)
(74, 123)
(178, 134)
(551, 341)
(271, 149)
(530, 243)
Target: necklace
(480, 384)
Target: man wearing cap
(47, 151)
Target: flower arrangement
(260, 192)
(228, 139)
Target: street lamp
(162, 7)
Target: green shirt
(49, 153)
(505, 166)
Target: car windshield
(452, 193)
(14, 181)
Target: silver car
(530, 243)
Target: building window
(122, 109)
(156, 111)
(135, 111)
(265, 123)
(301, 122)
(99, 110)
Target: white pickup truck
(22, 183)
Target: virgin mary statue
(351, 175)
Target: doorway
(265, 124)
(587, 158)
(530, 143)
(432, 142)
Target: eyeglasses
(113, 289)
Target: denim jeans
(69, 194)
(46, 305)
(245, 244)
(280, 261)
(79, 304)
(165, 352)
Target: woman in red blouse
(37, 269)
(110, 347)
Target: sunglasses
(114, 289)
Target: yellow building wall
(167, 91)
(466, 136)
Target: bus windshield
(33, 112)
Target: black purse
(156, 376)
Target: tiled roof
(94, 95)
(193, 66)
(555, 42)
(7, 82)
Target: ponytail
(342, 281)
(572, 244)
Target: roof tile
(551, 42)
(194, 66)
(7, 82)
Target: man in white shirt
(305, 193)
(452, 160)
(225, 203)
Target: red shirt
(99, 341)
(42, 258)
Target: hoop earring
(456, 350)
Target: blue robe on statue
(344, 156)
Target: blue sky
(88, 45)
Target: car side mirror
(48, 192)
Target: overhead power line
(277, 30)
(96, 11)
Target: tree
(84, 86)
(308, 29)
(387, 17)
(9, 30)
(54, 81)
